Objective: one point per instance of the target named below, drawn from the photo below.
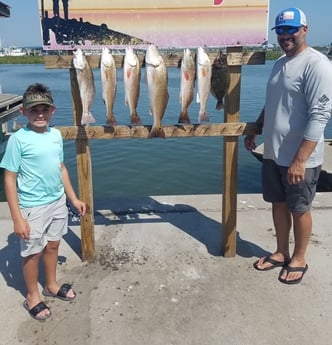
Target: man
(297, 109)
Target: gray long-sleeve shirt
(298, 106)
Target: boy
(36, 185)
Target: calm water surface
(142, 167)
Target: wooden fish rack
(231, 129)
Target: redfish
(203, 74)
(187, 84)
(157, 82)
(108, 84)
(86, 85)
(131, 79)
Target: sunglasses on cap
(281, 30)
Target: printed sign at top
(167, 24)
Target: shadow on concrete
(11, 261)
(73, 241)
(11, 264)
(185, 217)
(129, 211)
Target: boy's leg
(58, 227)
(50, 258)
(30, 273)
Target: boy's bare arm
(69, 190)
(21, 226)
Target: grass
(39, 59)
(27, 59)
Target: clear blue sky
(22, 29)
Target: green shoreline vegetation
(39, 59)
(26, 59)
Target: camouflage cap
(36, 99)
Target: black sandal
(61, 294)
(36, 310)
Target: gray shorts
(298, 197)
(47, 223)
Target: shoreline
(39, 59)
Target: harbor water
(142, 167)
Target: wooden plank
(84, 177)
(76, 98)
(171, 131)
(230, 162)
(8, 100)
(9, 107)
(171, 59)
(9, 114)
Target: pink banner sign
(167, 24)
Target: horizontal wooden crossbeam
(171, 131)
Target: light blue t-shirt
(36, 159)
(298, 106)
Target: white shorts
(47, 223)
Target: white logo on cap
(287, 16)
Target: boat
(16, 52)
(325, 177)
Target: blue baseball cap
(290, 17)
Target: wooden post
(84, 176)
(230, 161)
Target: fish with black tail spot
(187, 84)
(131, 79)
(86, 85)
(108, 84)
(203, 73)
(157, 82)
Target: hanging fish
(131, 79)
(108, 84)
(86, 85)
(187, 84)
(157, 81)
(203, 74)
(220, 79)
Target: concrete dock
(159, 279)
